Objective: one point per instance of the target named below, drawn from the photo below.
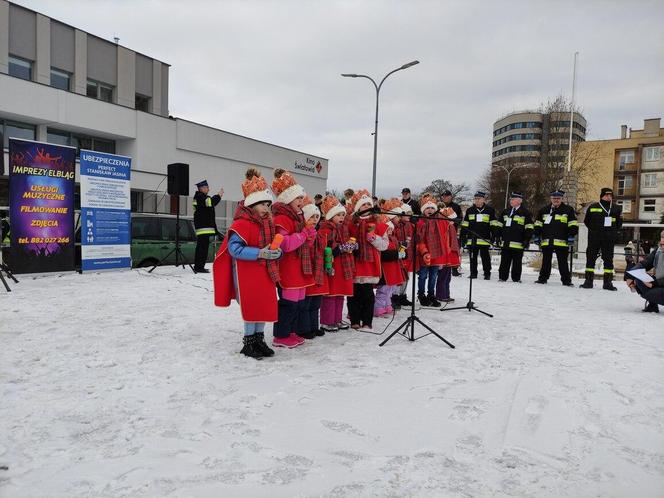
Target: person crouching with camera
(652, 292)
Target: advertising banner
(105, 211)
(41, 206)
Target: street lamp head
(348, 75)
(406, 66)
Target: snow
(130, 384)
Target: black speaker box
(178, 179)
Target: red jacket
(256, 291)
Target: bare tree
(460, 191)
(537, 179)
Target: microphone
(371, 210)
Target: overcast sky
(270, 70)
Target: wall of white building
(651, 192)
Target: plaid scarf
(366, 249)
(304, 251)
(265, 235)
(320, 242)
(404, 231)
(339, 235)
(453, 241)
(430, 234)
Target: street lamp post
(375, 133)
(509, 172)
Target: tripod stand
(176, 249)
(7, 270)
(408, 325)
(470, 305)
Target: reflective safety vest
(515, 227)
(555, 225)
(478, 225)
(204, 216)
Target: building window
(20, 68)
(650, 180)
(142, 103)
(626, 157)
(626, 206)
(17, 130)
(652, 153)
(62, 137)
(624, 182)
(60, 79)
(99, 91)
(649, 205)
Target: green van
(153, 238)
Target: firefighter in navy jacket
(515, 225)
(603, 220)
(204, 223)
(477, 233)
(556, 227)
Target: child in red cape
(340, 282)
(308, 325)
(296, 265)
(246, 269)
(363, 227)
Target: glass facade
(62, 137)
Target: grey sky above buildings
(270, 70)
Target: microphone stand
(470, 305)
(408, 325)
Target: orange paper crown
(329, 202)
(358, 195)
(427, 199)
(255, 184)
(282, 183)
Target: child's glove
(347, 247)
(267, 253)
(427, 259)
(310, 233)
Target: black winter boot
(651, 308)
(396, 302)
(608, 282)
(588, 282)
(250, 347)
(424, 300)
(262, 346)
(404, 301)
(433, 301)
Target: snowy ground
(130, 384)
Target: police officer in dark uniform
(477, 232)
(515, 229)
(603, 220)
(204, 222)
(556, 227)
(446, 198)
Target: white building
(59, 84)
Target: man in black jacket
(407, 199)
(515, 229)
(477, 230)
(603, 220)
(556, 227)
(652, 292)
(204, 222)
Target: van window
(168, 230)
(145, 228)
